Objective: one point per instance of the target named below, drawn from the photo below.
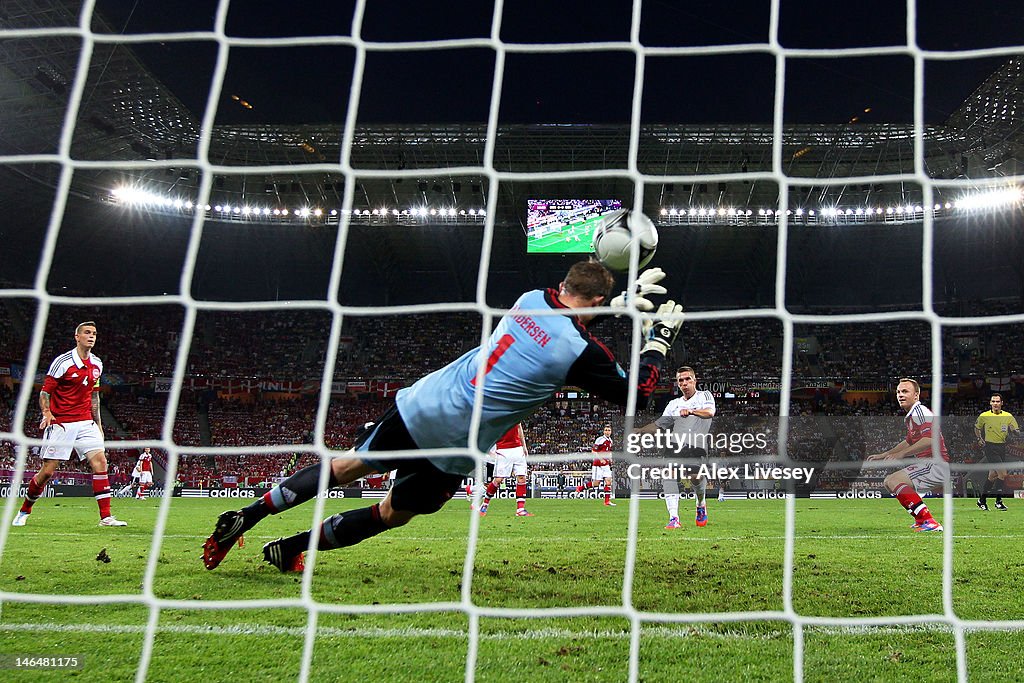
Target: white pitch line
(261, 630)
(673, 537)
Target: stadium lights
(990, 199)
(136, 197)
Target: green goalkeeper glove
(661, 334)
(646, 283)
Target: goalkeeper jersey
(527, 358)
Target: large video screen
(564, 226)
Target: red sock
(492, 488)
(520, 496)
(101, 490)
(32, 495)
(142, 490)
(909, 499)
(607, 493)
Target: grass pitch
(577, 238)
(851, 559)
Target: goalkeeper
(528, 357)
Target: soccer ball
(617, 231)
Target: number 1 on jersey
(503, 344)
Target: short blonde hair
(917, 387)
(81, 325)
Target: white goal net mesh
(25, 407)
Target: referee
(992, 429)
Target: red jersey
(146, 462)
(919, 425)
(510, 439)
(70, 382)
(602, 445)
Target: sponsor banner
(251, 493)
(765, 494)
(53, 491)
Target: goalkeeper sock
(909, 499)
(702, 490)
(339, 531)
(297, 489)
(35, 491)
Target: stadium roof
(127, 115)
(132, 129)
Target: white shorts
(82, 436)
(146, 477)
(509, 461)
(601, 472)
(928, 475)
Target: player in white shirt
(133, 488)
(689, 417)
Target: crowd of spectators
(292, 345)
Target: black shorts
(995, 452)
(418, 486)
(690, 455)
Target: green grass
(564, 241)
(851, 559)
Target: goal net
(290, 248)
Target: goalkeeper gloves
(646, 283)
(660, 335)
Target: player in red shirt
(70, 402)
(145, 466)
(927, 473)
(509, 458)
(602, 469)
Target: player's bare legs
(297, 489)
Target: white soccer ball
(620, 229)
